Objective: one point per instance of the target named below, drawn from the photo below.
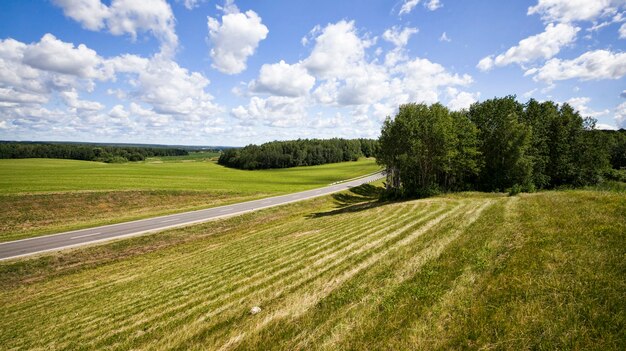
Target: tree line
(108, 154)
(495, 145)
(302, 152)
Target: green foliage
(107, 154)
(302, 152)
(427, 149)
(515, 189)
(497, 145)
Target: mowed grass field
(477, 271)
(42, 196)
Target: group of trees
(109, 154)
(302, 152)
(499, 144)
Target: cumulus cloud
(11, 96)
(339, 75)
(459, 100)
(283, 79)
(622, 31)
(581, 105)
(399, 37)
(573, 10)
(541, 46)
(592, 65)
(444, 37)
(51, 54)
(275, 111)
(172, 89)
(235, 39)
(338, 49)
(126, 17)
(72, 100)
(157, 88)
(38, 69)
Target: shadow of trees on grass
(360, 198)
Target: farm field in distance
(42, 196)
(469, 270)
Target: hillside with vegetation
(475, 271)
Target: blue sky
(232, 73)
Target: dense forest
(303, 152)
(109, 154)
(496, 145)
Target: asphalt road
(31, 246)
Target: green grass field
(42, 196)
(477, 271)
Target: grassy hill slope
(544, 270)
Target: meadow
(471, 270)
(42, 196)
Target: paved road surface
(74, 238)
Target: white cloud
(10, 95)
(605, 126)
(408, 6)
(541, 46)
(235, 39)
(283, 79)
(276, 111)
(368, 83)
(338, 49)
(126, 17)
(592, 65)
(172, 89)
(423, 78)
(444, 37)
(48, 65)
(327, 123)
(51, 54)
(191, 4)
(459, 100)
(58, 73)
(118, 111)
(486, 63)
(573, 10)
(432, 5)
(399, 37)
(581, 105)
(90, 13)
(338, 75)
(623, 94)
(622, 31)
(72, 101)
